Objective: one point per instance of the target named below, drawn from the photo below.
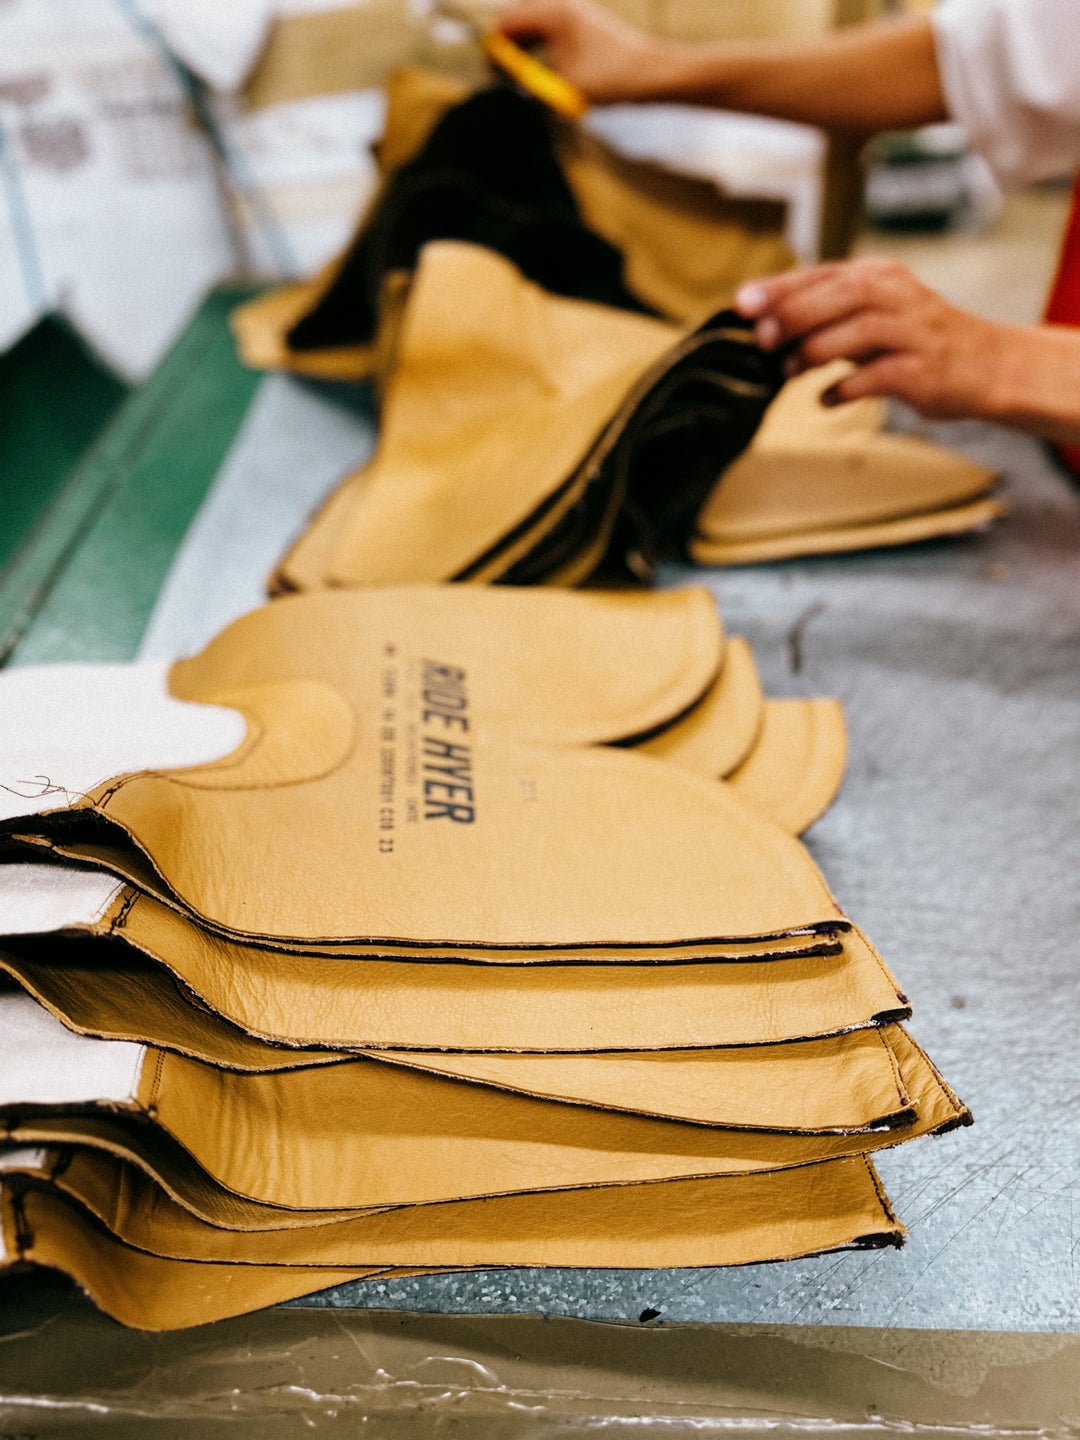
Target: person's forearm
(1034, 381)
(882, 76)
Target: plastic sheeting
(67, 1371)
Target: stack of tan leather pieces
(542, 422)
(527, 438)
(449, 947)
(494, 167)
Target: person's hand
(905, 340)
(600, 54)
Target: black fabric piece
(487, 174)
(658, 461)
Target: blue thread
(22, 225)
(234, 163)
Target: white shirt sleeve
(1011, 74)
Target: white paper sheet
(66, 728)
(43, 1063)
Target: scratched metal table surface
(955, 843)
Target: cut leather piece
(720, 731)
(297, 730)
(684, 247)
(486, 173)
(154, 1153)
(491, 406)
(486, 860)
(542, 665)
(38, 898)
(846, 1083)
(366, 1135)
(796, 767)
(261, 327)
(351, 1004)
(811, 469)
(517, 428)
(139, 1002)
(687, 418)
(147, 1292)
(849, 1083)
(742, 1220)
(911, 530)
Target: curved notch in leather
(298, 730)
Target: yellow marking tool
(534, 77)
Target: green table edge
(83, 585)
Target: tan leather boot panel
(304, 565)
(814, 469)
(736, 1220)
(784, 1086)
(291, 1158)
(123, 859)
(910, 530)
(152, 1152)
(491, 407)
(364, 1135)
(363, 1004)
(765, 494)
(848, 1082)
(796, 768)
(721, 729)
(686, 246)
(542, 665)
(260, 327)
(141, 1001)
(147, 1292)
(518, 845)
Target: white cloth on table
(111, 212)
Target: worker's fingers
(758, 297)
(892, 375)
(587, 44)
(825, 302)
(822, 298)
(533, 20)
(792, 306)
(855, 337)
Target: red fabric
(1063, 307)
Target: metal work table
(955, 842)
